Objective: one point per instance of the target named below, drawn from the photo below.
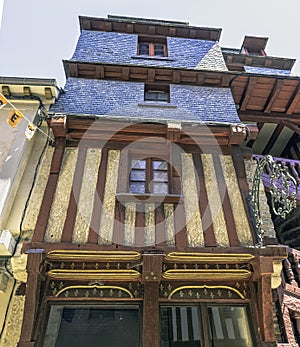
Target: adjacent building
(144, 227)
(19, 163)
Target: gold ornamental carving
(94, 288)
(87, 275)
(205, 287)
(206, 275)
(220, 258)
(93, 256)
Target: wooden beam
(273, 139)
(265, 302)
(29, 247)
(151, 76)
(152, 268)
(273, 117)
(145, 28)
(291, 125)
(206, 217)
(273, 95)
(58, 124)
(31, 301)
(98, 201)
(74, 197)
(293, 100)
(125, 73)
(239, 166)
(42, 221)
(247, 93)
(174, 132)
(227, 209)
(286, 153)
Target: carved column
(265, 299)
(31, 301)
(152, 265)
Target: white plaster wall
(15, 150)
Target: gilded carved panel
(62, 196)
(87, 194)
(149, 238)
(214, 200)
(169, 224)
(109, 199)
(129, 228)
(192, 213)
(38, 191)
(237, 206)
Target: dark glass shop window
(225, 326)
(180, 326)
(229, 326)
(92, 327)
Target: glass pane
(159, 50)
(160, 188)
(159, 165)
(138, 164)
(93, 327)
(230, 326)
(180, 326)
(151, 96)
(137, 187)
(138, 175)
(162, 96)
(160, 176)
(144, 49)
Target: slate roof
(126, 99)
(267, 71)
(121, 48)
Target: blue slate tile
(126, 99)
(120, 48)
(267, 71)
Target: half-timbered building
(145, 233)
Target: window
(257, 52)
(148, 176)
(182, 326)
(106, 326)
(152, 46)
(157, 93)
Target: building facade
(19, 162)
(143, 229)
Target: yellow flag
(3, 100)
(14, 118)
(30, 131)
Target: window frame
(159, 89)
(149, 175)
(159, 151)
(99, 305)
(151, 42)
(205, 323)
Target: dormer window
(254, 45)
(250, 51)
(152, 46)
(157, 93)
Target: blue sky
(36, 35)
